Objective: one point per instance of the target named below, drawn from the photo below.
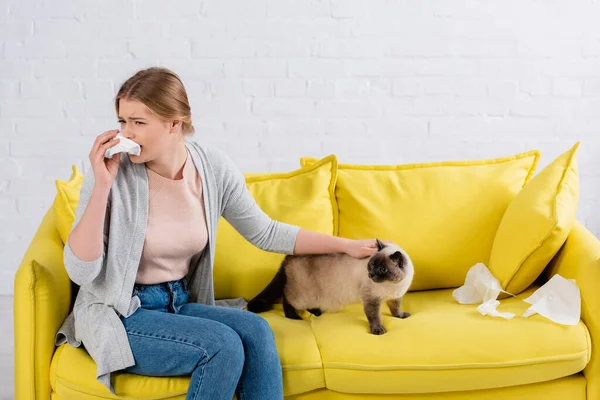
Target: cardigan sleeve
(83, 272)
(245, 215)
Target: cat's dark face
(388, 264)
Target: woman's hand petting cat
(361, 248)
(309, 242)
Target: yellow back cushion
(444, 214)
(66, 201)
(304, 197)
(536, 224)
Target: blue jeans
(225, 350)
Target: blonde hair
(161, 90)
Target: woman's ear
(176, 126)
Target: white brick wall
(374, 81)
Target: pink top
(176, 226)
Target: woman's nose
(127, 133)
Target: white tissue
(559, 300)
(489, 308)
(480, 286)
(124, 146)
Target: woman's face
(155, 136)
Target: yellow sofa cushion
(65, 202)
(447, 344)
(304, 197)
(444, 214)
(536, 224)
(73, 372)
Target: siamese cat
(328, 282)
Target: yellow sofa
(448, 215)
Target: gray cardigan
(106, 284)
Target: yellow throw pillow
(66, 201)
(444, 214)
(536, 224)
(304, 197)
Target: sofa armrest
(579, 259)
(42, 300)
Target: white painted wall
(272, 80)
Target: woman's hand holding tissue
(105, 169)
(86, 240)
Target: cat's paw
(377, 330)
(402, 315)
(315, 311)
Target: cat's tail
(274, 291)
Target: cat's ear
(380, 245)
(396, 256)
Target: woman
(142, 249)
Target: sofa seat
(445, 346)
(73, 372)
(73, 375)
(337, 352)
